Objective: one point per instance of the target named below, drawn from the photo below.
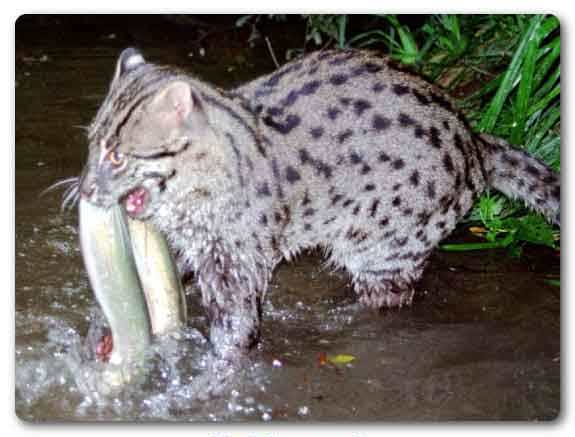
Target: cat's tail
(521, 176)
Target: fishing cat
(342, 149)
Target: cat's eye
(117, 159)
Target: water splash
(181, 375)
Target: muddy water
(482, 340)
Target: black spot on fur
(358, 235)
(360, 106)
(291, 122)
(396, 201)
(347, 203)
(338, 79)
(398, 164)
(342, 59)
(308, 212)
(457, 183)
(405, 120)
(442, 101)
(365, 169)
(342, 136)
(292, 175)
(333, 112)
(373, 208)
(400, 89)
(330, 220)
(384, 157)
(274, 111)
(356, 209)
(336, 199)
(378, 87)
(445, 203)
(369, 187)
(400, 242)
(264, 220)
(320, 166)
(430, 189)
(549, 179)
(418, 132)
(367, 67)
(513, 162)
(263, 190)
(534, 171)
(312, 70)
(420, 97)
(384, 222)
(414, 178)
(310, 88)
(306, 200)
(354, 158)
(423, 218)
(345, 101)
(434, 137)
(446, 125)
(448, 163)
(316, 132)
(287, 213)
(380, 123)
(290, 99)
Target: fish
(113, 276)
(159, 278)
(136, 283)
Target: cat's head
(151, 139)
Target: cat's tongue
(135, 201)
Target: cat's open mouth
(136, 201)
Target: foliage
(524, 108)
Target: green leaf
(510, 78)
(532, 228)
(341, 25)
(340, 359)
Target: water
(482, 340)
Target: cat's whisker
(85, 128)
(70, 197)
(58, 184)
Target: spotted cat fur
(342, 149)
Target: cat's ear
(129, 60)
(176, 104)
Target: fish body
(159, 278)
(108, 258)
(135, 281)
